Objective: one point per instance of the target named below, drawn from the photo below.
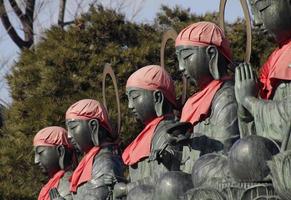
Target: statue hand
(205, 144)
(160, 155)
(199, 141)
(109, 179)
(55, 195)
(120, 190)
(245, 84)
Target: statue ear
(61, 151)
(94, 127)
(213, 55)
(159, 102)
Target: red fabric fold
(198, 105)
(275, 70)
(52, 183)
(83, 172)
(141, 145)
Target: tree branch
(28, 23)
(62, 9)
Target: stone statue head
(88, 124)
(273, 16)
(210, 169)
(141, 192)
(203, 53)
(248, 158)
(172, 185)
(151, 93)
(53, 151)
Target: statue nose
(36, 159)
(181, 70)
(257, 21)
(130, 104)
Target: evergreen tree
(67, 66)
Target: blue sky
(147, 11)
(233, 9)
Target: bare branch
(62, 9)
(68, 23)
(78, 8)
(136, 10)
(28, 23)
(4, 103)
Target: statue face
(274, 16)
(141, 104)
(47, 158)
(79, 134)
(193, 63)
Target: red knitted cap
(204, 34)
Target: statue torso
(282, 91)
(154, 169)
(221, 126)
(105, 162)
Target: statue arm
(68, 197)
(271, 118)
(245, 122)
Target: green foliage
(67, 66)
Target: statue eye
(39, 151)
(186, 53)
(135, 96)
(262, 5)
(72, 124)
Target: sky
(145, 9)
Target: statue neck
(283, 38)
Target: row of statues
(230, 142)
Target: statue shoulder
(282, 91)
(168, 132)
(107, 162)
(225, 93)
(224, 102)
(64, 185)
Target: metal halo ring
(248, 25)
(172, 34)
(109, 71)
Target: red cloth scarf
(198, 105)
(83, 172)
(141, 145)
(53, 183)
(275, 70)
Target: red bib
(83, 172)
(141, 145)
(53, 183)
(276, 69)
(198, 105)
